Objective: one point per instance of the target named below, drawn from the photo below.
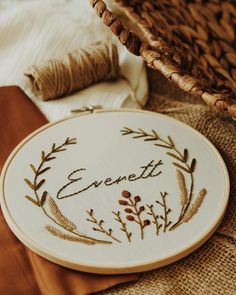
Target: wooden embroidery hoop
(103, 269)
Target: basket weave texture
(191, 42)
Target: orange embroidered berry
(126, 194)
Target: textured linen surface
(211, 269)
(33, 31)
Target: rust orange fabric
(21, 271)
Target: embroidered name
(147, 171)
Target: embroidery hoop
(116, 268)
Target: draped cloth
(22, 271)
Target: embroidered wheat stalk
(64, 221)
(182, 188)
(194, 208)
(56, 232)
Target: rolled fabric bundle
(75, 70)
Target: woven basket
(192, 43)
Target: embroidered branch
(100, 226)
(155, 218)
(134, 211)
(166, 210)
(56, 215)
(181, 161)
(123, 225)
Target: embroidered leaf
(59, 150)
(192, 166)
(40, 184)
(141, 130)
(171, 141)
(181, 167)
(73, 238)
(50, 158)
(182, 188)
(43, 156)
(33, 168)
(162, 145)
(185, 156)
(174, 156)
(169, 223)
(126, 130)
(139, 136)
(30, 184)
(71, 142)
(44, 170)
(196, 205)
(53, 146)
(32, 200)
(155, 134)
(43, 198)
(64, 221)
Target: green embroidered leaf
(53, 146)
(181, 167)
(30, 184)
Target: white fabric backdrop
(34, 31)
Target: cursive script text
(147, 171)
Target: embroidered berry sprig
(134, 211)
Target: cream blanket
(34, 31)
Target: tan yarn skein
(75, 70)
